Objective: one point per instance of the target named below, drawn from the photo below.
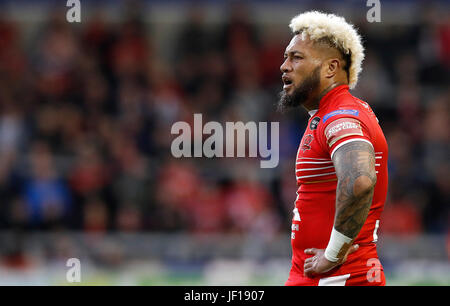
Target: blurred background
(86, 111)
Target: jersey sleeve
(342, 129)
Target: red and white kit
(340, 119)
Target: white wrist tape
(337, 241)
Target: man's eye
(298, 57)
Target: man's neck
(316, 102)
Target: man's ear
(331, 67)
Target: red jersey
(340, 119)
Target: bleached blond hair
(336, 31)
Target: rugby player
(341, 163)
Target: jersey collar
(312, 112)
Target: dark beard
(301, 93)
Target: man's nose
(285, 67)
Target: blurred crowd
(86, 112)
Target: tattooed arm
(355, 169)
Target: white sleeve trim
(348, 141)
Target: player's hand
(318, 264)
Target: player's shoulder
(346, 105)
(345, 100)
(344, 119)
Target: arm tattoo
(355, 169)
